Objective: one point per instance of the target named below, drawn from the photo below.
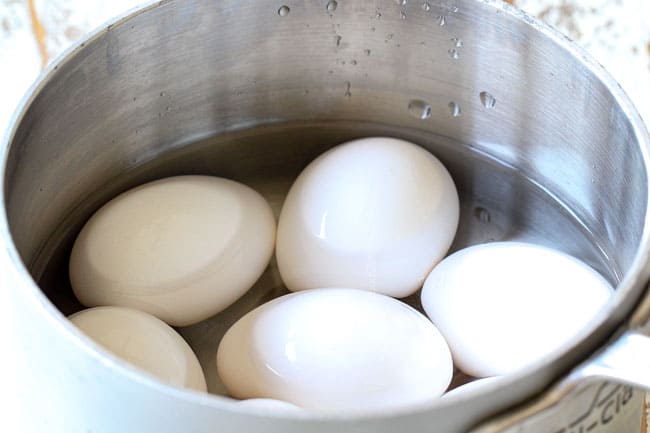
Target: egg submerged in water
(374, 214)
(181, 248)
(335, 350)
(143, 341)
(503, 306)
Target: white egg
(181, 248)
(143, 341)
(270, 405)
(374, 214)
(470, 387)
(335, 350)
(503, 306)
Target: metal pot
(542, 143)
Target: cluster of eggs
(368, 221)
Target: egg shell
(504, 306)
(374, 214)
(335, 350)
(181, 248)
(143, 341)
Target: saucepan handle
(596, 396)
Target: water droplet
(488, 100)
(390, 36)
(453, 53)
(419, 109)
(284, 11)
(366, 52)
(168, 108)
(442, 20)
(482, 215)
(378, 15)
(401, 2)
(426, 7)
(348, 85)
(457, 42)
(162, 93)
(402, 15)
(332, 5)
(454, 109)
(354, 62)
(454, 9)
(337, 40)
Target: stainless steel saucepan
(542, 143)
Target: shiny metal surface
(533, 132)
